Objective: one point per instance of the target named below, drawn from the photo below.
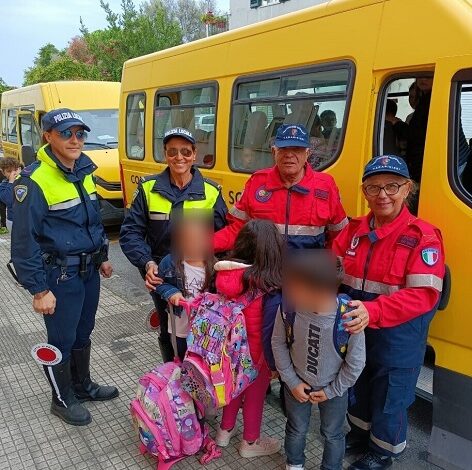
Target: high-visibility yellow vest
(59, 192)
(159, 207)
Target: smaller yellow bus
(97, 103)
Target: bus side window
(193, 108)
(11, 129)
(315, 98)
(461, 137)
(135, 131)
(4, 124)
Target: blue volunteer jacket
(6, 196)
(56, 211)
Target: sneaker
(263, 446)
(3, 230)
(223, 437)
(294, 467)
(372, 461)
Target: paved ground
(30, 438)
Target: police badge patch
(430, 256)
(20, 192)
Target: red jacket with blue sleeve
(309, 214)
(397, 271)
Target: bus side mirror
(446, 290)
(28, 155)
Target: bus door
(402, 120)
(29, 136)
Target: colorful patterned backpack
(170, 425)
(218, 365)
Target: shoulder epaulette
(30, 169)
(216, 185)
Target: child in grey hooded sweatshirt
(312, 363)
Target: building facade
(244, 12)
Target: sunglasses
(67, 134)
(173, 152)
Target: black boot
(357, 442)
(64, 403)
(84, 388)
(372, 461)
(167, 351)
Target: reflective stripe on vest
(159, 207)
(59, 192)
(301, 230)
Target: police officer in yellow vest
(59, 248)
(145, 233)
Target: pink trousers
(252, 403)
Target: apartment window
(135, 128)
(316, 98)
(194, 109)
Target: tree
(78, 50)
(187, 13)
(4, 86)
(130, 33)
(61, 68)
(46, 55)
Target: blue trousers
(378, 405)
(73, 321)
(332, 415)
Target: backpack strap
(340, 335)
(288, 317)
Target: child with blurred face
(306, 357)
(188, 270)
(10, 168)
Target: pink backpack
(218, 365)
(170, 425)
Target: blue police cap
(292, 136)
(179, 132)
(390, 164)
(62, 119)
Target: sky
(29, 24)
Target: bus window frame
(452, 147)
(326, 66)
(4, 130)
(134, 93)
(174, 89)
(382, 103)
(13, 110)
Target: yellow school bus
(97, 103)
(335, 68)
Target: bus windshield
(103, 125)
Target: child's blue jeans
(332, 414)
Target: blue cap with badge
(62, 119)
(179, 132)
(390, 164)
(292, 136)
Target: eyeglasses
(390, 189)
(173, 152)
(67, 134)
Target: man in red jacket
(304, 204)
